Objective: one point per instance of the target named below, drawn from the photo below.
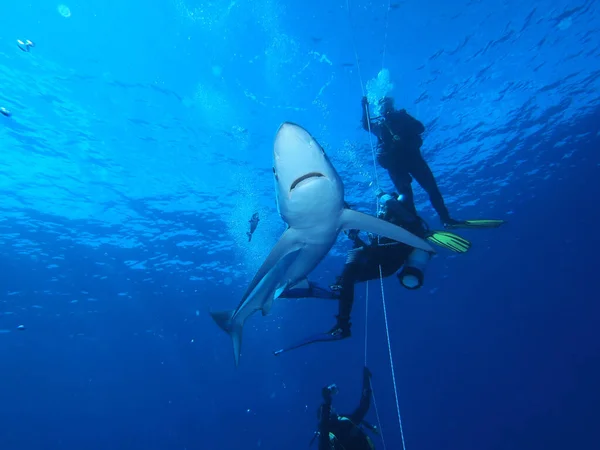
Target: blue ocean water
(139, 145)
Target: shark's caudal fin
(354, 219)
(225, 320)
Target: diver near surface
(253, 224)
(399, 152)
(363, 263)
(345, 432)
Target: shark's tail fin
(234, 329)
(249, 236)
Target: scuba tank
(413, 271)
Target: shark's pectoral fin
(356, 220)
(302, 284)
(279, 271)
(225, 320)
(266, 309)
(287, 243)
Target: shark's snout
(290, 133)
(308, 176)
(289, 126)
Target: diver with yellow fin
(399, 152)
(399, 144)
(364, 261)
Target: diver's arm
(325, 419)
(324, 442)
(365, 399)
(353, 236)
(371, 427)
(368, 125)
(422, 173)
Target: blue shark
(310, 200)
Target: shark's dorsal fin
(350, 219)
(287, 243)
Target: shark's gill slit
(305, 177)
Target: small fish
(24, 46)
(5, 112)
(253, 224)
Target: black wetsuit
(363, 261)
(362, 264)
(399, 152)
(346, 430)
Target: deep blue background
(139, 146)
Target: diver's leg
(403, 183)
(345, 303)
(324, 427)
(360, 266)
(310, 290)
(422, 173)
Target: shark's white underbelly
(291, 269)
(307, 260)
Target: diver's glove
(356, 240)
(328, 392)
(353, 234)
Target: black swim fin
(321, 337)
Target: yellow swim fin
(450, 241)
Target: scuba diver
(345, 432)
(399, 152)
(364, 261)
(253, 224)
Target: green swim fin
(478, 223)
(449, 241)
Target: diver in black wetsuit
(362, 264)
(399, 152)
(363, 261)
(345, 432)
